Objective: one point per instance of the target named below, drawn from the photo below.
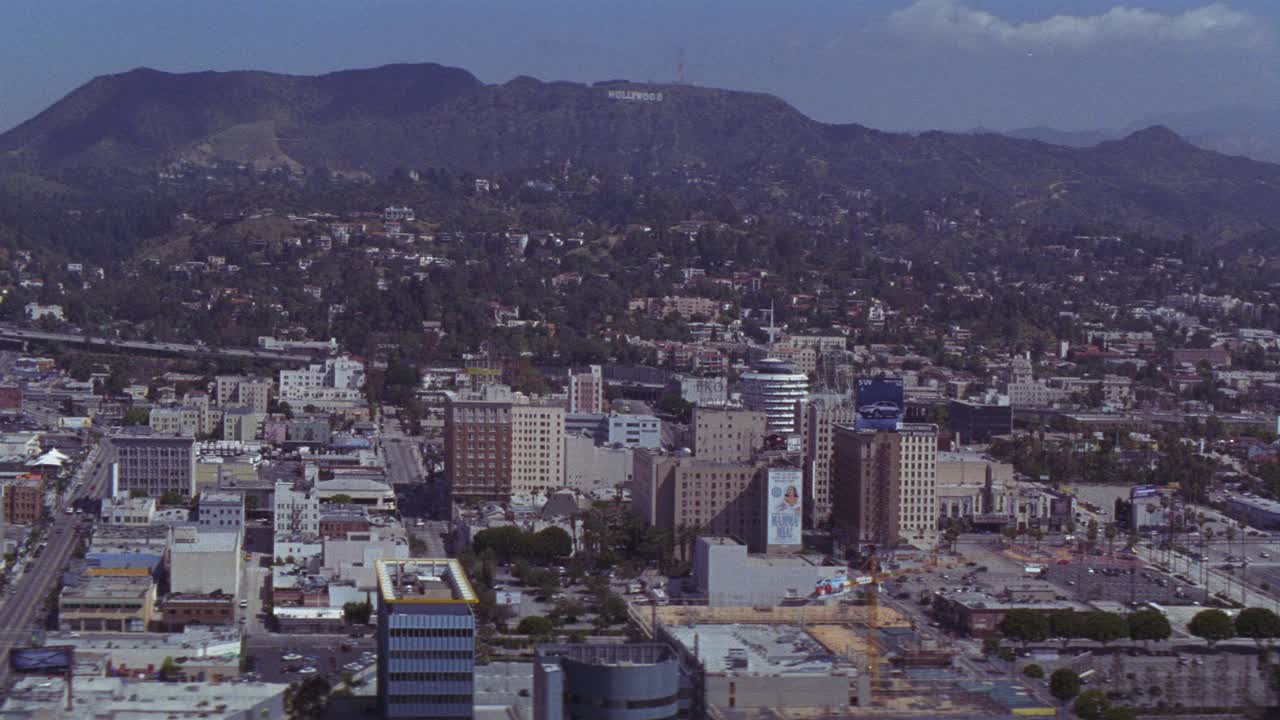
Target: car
(880, 409)
(308, 670)
(244, 603)
(291, 657)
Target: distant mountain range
(429, 115)
(1245, 131)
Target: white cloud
(954, 22)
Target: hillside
(431, 116)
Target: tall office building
(426, 639)
(156, 464)
(773, 388)
(586, 391)
(820, 416)
(496, 444)
(884, 484)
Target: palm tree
(1110, 532)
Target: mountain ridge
(428, 115)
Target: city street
(24, 606)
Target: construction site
(823, 661)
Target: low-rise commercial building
(205, 561)
(109, 601)
(631, 681)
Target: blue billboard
(880, 403)
(1143, 491)
(42, 660)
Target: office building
(155, 464)
(586, 391)
(884, 485)
(498, 443)
(426, 639)
(977, 423)
(537, 448)
(617, 681)
(773, 387)
(699, 390)
(673, 492)
(204, 561)
(635, 430)
(115, 600)
(820, 416)
(221, 511)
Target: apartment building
(23, 499)
(297, 509)
(340, 373)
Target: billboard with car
(42, 660)
(880, 403)
(784, 508)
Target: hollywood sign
(635, 95)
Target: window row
(431, 632)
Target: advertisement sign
(831, 586)
(881, 403)
(41, 660)
(784, 508)
(1143, 491)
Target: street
(24, 605)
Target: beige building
(726, 498)
(727, 434)
(537, 448)
(114, 601)
(885, 484)
(184, 421)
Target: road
(12, 333)
(24, 607)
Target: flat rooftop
(757, 649)
(103, 697)
(424, 580)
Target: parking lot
(1120, 582)
(287, 658)
(1190, 678)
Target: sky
(890, 64)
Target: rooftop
(424, 580)
(756, 649)
(612, 654)
(108, 698)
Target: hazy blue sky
(894, 64)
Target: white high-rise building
(773, 388)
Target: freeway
(25, 606)
(12, 333)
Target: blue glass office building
(426, 639)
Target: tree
(1259, 624)
(1148, 625)
(173, 497)
(357, 613)
(341, 499)
(306, 700)
(553, 542)
(1104, 627)
(1064, 683)
(170, 670)
(1092, 705)
(1025, 625)
(536, 626)
(1212, 625)
(1110, 532)
(1033, 671)
(1066, 625)
(136, 416)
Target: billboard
(1143, 491)
(880, 403)
(784, 508)
(41, 660)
